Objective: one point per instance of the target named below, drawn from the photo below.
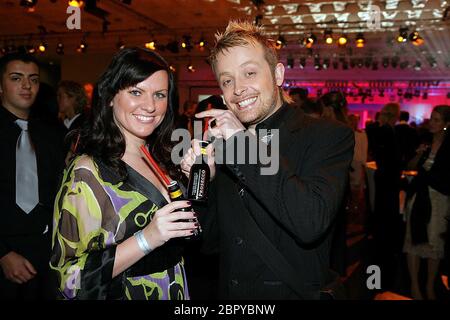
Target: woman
(72, 100)
(429, 205)
(113, 218)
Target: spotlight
(432, 61)
(30, 4)
(30, 49)
(186, 44)
(75, 3)
(317, 65)
(418, 66)
(190, 68)
(120, 45)
(172, 68)
(402, 35)
(280, 43)
(309, 40)
(328, 34)
(151, 45)
(360, 63)
(342, 41)
(82, 47)
(258, 19)
(201, 44)
(416, 39)
(360, 41)
(302, 63)
(290, 63)
(60, 48)
(42, 47)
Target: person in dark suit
(407, 139)
(72, 101)
(31, 161)
(385, 221)
(272, 229)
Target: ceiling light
(416, 39)
(328, 34)
(42, 47)
(360, 41)
(75, 3)
(190, 68)
(82, 47)
(402, 35)
(151, 45)
(342, 41)
(280, 43)
(302, 63)
(290, 63)
(309, 40)
(60, 48)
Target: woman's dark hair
(337, 101)
(101, 138)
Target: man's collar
(8, 114)
(275, 120)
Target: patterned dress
(94, 212)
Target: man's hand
(16, 268)
(195, 151)
(226, 123)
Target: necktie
(27, 189)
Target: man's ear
(279, 74)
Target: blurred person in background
(429, 204)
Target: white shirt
(68, 122)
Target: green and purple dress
(94, 212)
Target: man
(30, 164)
(273, 230)
(408, 140)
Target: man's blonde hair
(244, 33)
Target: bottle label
(175, 194)
(201, 188)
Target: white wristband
(142, 242)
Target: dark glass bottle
(199, 177)
(176, 194)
